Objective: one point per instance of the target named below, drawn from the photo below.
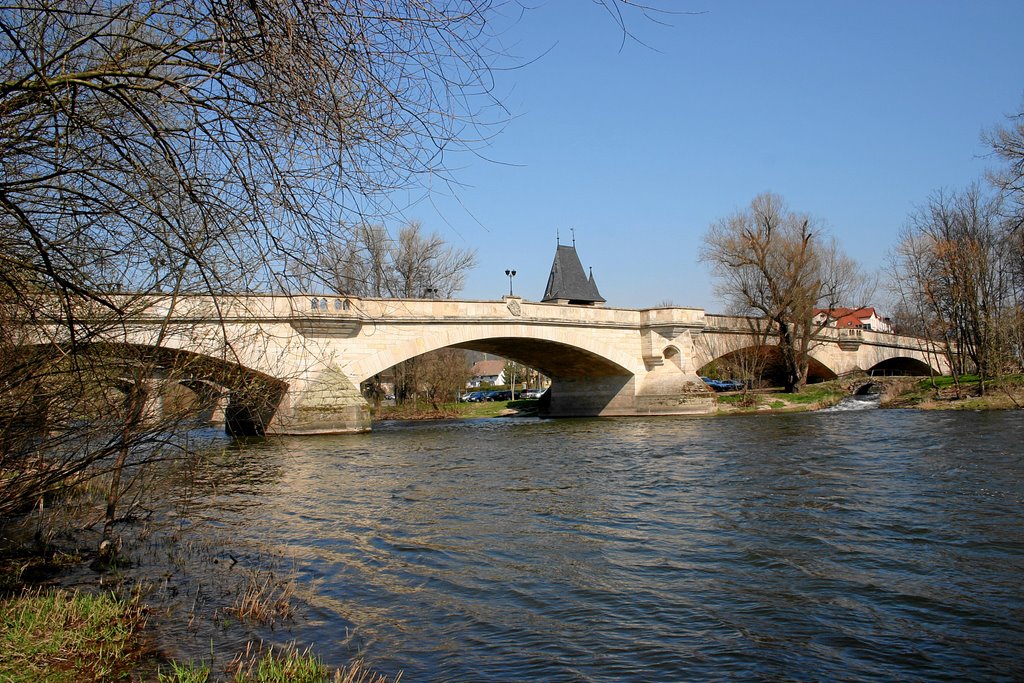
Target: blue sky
(852, 111)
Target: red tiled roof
(841, 313)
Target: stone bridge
(294, 364)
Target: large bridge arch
(558, 353)
(902, 365)
(589, 375)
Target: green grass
(185, 673)
(813, 393)
(67, 637)
(424, 411)
(290, 666)
(732, 399)
(60, 636)
(944, 381)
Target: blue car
(723, 384)
(713, 383)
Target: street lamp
(511, 274)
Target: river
(847, 545)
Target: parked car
(723, 384)
(712, 383)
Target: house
(864, 318)
(567, 283)
(486, 372)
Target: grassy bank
(965, 393)
(455, 411)
(813, 397)
(60, 636)
(938, 393)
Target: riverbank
(939, 393)
(456, 411)
(965, 393)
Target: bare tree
(953, 267)
(1007, 143)
(443, 374)
(189, 146)
(780, 265)
(369, 262)
(194, 146)
(518, 374)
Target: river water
(847, 545)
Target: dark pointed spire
(568, 283)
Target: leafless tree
(517, 374)
(443, 374)
(952, 266)
(1007, 143)
(414, 265)
(781, 265)
(195, 146)
(190, 146)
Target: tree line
(957, 274)
(958, 269)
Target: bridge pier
(673, 393)
(657, 393)
(591, 396)
(330, 403)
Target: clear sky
(853, 111)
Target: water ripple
(847, 545)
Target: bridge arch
(555, 353)
(902, 365)
(768, 362)
(252, 396)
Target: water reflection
(862, 545)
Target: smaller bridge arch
(252, 396)
(902, 365)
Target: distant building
(489, 372)
(568, 284)
(865, 318)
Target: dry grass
(264, 600)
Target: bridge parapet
(510, 309)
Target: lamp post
(511, 274)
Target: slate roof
(567, 281)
